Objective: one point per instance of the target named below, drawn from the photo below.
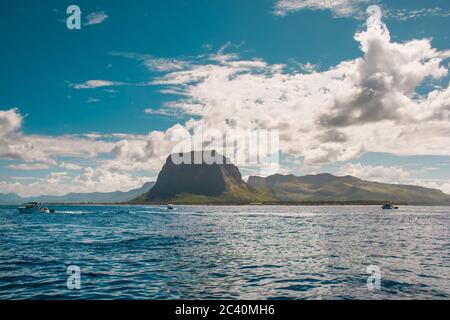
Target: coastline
(292, 204)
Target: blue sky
(90, 88)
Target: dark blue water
(253, 252)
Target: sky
(352, 88)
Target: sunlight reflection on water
(251, 252)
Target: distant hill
(96, 197)
(202, 183)
(329, 188)
(10, 198)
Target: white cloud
(14, 145)
(40, 152)
(10, 121)
(95, 18)
(56, 177)
(413, 14)
(374, 173)
(69, 166)
(444, 186)
(92, 84)
(361, 105)
(153, 63)
(160, 64)
(392, 175)
(163, 65)
(61, 183)
(340, 8)
(308, 67)
(356, 9)
(163, 112)
(67, 145)
(93, 100)
(148, 153)
(29, 166)
(104, 180)
(368, 104)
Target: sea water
(226, 252)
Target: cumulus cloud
(69, 166)
(392, 175)
(444, 186)
(307, 67)
(14, 145)
(10, 121)
(340, 8)
(92, 84)
(148, 153)
(386, 77)
(368, 104)
(374, 173)
(103, 180)
(90, 180)
(38, 152)
(95, 18)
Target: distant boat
(34, 207)
(388, 206)
(170, 207)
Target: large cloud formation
(369, 104)
(45, 152)
(14, 145)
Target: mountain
(222, 184)
(202, 183)
(10, 198)
(96, 197)
(329, 188)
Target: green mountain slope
(329, 188)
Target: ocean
(225, 252)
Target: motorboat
(388, 206)
(34, 207)
(170, 207)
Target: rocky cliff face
(194, 178)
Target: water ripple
(207, 252)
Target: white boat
(34, 207)
(170, 207)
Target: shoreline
(287, 204)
